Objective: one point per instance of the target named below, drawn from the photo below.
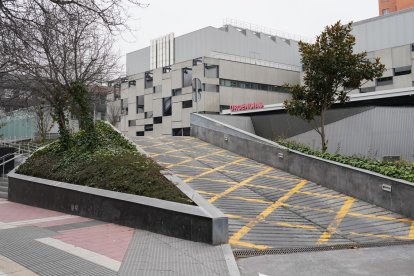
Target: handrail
(7, 161)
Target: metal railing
(3, 164)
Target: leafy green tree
(331, 71)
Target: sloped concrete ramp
(271, 209)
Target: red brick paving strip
(12, 212)
(110, 240)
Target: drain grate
(279, 251)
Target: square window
(157, 120)
(176, 92)
(187, 104)
(148, 127)
(166, 106)
(139, 133)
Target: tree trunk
(324, 143)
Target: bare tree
(113, 112)
(65, 50)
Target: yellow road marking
(249, 245)
(266, 176)
(277, 223)
(214, 170)
(381, 236)
(237, 197)
(156, 145)
(177, 150)
(246, 229)
(241, 184)
(240, 164)
(411, 233)
(299, 192)
(333, 226)
(191, 159)
(380, 217)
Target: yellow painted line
(156, 145)
(212, 179)
(182, 149)
(214, 170)
(333, 226)
(411, 233)
(266, 176)
(277, 223)
(246, 229)
(381, 236)
(249, 245)
(192, 159)
(299, 192)
(241, 184)
(240, 164)
(237, 197)
(380, 217)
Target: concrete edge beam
(194, 223)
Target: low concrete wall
(359, 183)
(196, 223)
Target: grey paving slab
(19, 245)
(153, 254)
(394, 260)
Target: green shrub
(114, 164)
(399, 169)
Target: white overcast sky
(302, 17)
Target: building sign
(248, 106)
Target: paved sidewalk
(35, 241)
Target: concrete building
(236, 64)
(378, 120)
(388, 6)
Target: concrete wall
(375, 133)
(362, 184)
(196, 223)
(240, 122)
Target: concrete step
(4, 195)
(4, 189)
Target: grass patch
(398, 169)
(114, 165)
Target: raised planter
(202, 223)
(390, 193)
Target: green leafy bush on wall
(398, 169)
(114, 164)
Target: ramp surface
(269, 208)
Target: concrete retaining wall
(359, 183)
(202, 223)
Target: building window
(157, 89)
(132, 123)
(187, 76)
(186, 131)
(166, 69)
(181, 131)
(140, 104)
(176, 92)
(148, 127)
(132, 83)
(384, 81)
(197, 61)
(166, 106)
(187, 104)
(148, 80)
(157, 120)
(139, 133)
(253, 86)
(412, 47)
(148, 114)
(224, 107)
(385, 11)
(211, 71)
(405, 70)
(367, 89)
(211, 87)
(124, 106)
